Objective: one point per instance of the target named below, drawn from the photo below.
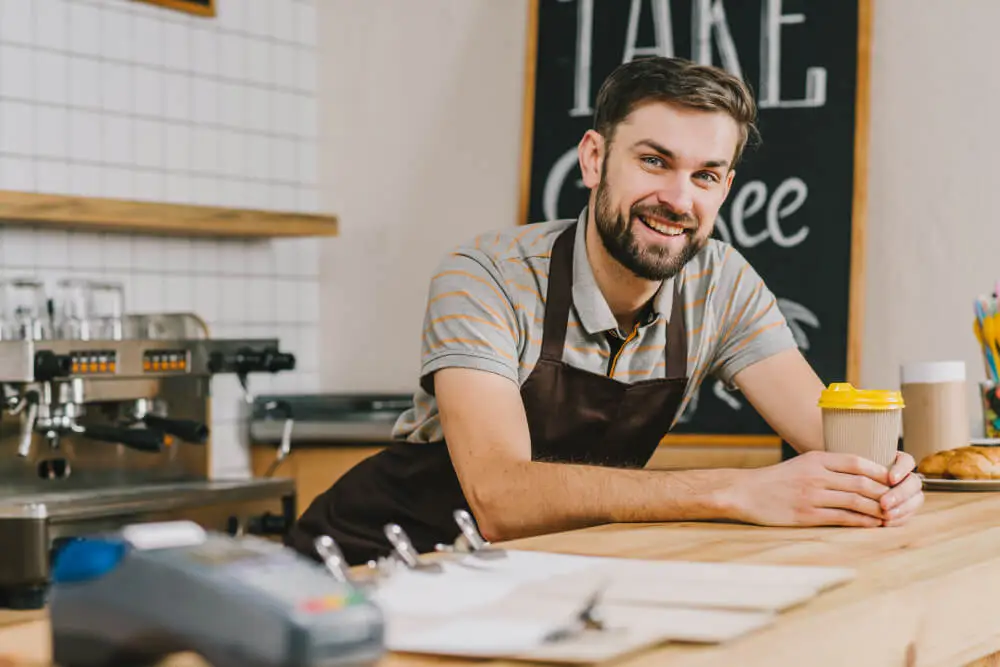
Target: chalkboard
(796, 207)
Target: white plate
(934, 484)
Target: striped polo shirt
(486, 306)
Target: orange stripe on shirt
(523, 263)
(743, 310)
(517, 239)
(698, 302)
(479, 303)
(646, 348)
(589, 350)
(524, 288)
(732, 297)
(699, 276)
(466, 274)
(753, 335)
(473, 318)
(762, 313)
(469, 341)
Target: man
(557, 355)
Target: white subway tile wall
(124, 99)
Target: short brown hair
(677, 81)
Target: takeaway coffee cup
(936, 416)
(864, 422)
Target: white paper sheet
(478, 607)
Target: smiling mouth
(663, 227)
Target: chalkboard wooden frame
(203, 8)
(858, 206)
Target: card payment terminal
(136, 596)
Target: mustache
(664, 213)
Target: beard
(649, 263)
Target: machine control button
(86, 560)
(93, 362)
(165, 361)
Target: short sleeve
(469, 321)
(751, 326)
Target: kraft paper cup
(862, 422)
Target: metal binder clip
(405, 551)
(477, 545)
(586, 618)
(332, 557)
(336, 564)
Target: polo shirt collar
(591, 307)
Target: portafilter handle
(187, 430)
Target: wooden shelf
(123, 216)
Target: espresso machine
(106, 421)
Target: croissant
(962, 463)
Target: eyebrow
(649, 143)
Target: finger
(856, 465)
(826, 516)
(902, 492)
(903, 513)
(848, 501)
(901, 467)
(859, 484)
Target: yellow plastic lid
(843, 396)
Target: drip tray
(327, 419)
(76, 504)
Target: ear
(729, 183)
(590, 152)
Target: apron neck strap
(677, 336)
(559, 295)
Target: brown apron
(574, 416)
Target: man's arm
(785, 390)
(512, 496)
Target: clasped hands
(819, 488)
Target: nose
(677, 192)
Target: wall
(430, 155)
(933, 236)
(114, 98)
(420, 108)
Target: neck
(625, 292)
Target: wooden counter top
(925, 593)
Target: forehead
(687, 133)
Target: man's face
(662, 181)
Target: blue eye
(710, 176)
(652, 161)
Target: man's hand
(906, 496)
(817, 489)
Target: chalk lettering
(662, 32)
(709, 16)
(756, 193)
(554, 183)
(776, 211)
(584, 41)
(770, 62)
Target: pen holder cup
(989, 393)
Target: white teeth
(669, 230)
